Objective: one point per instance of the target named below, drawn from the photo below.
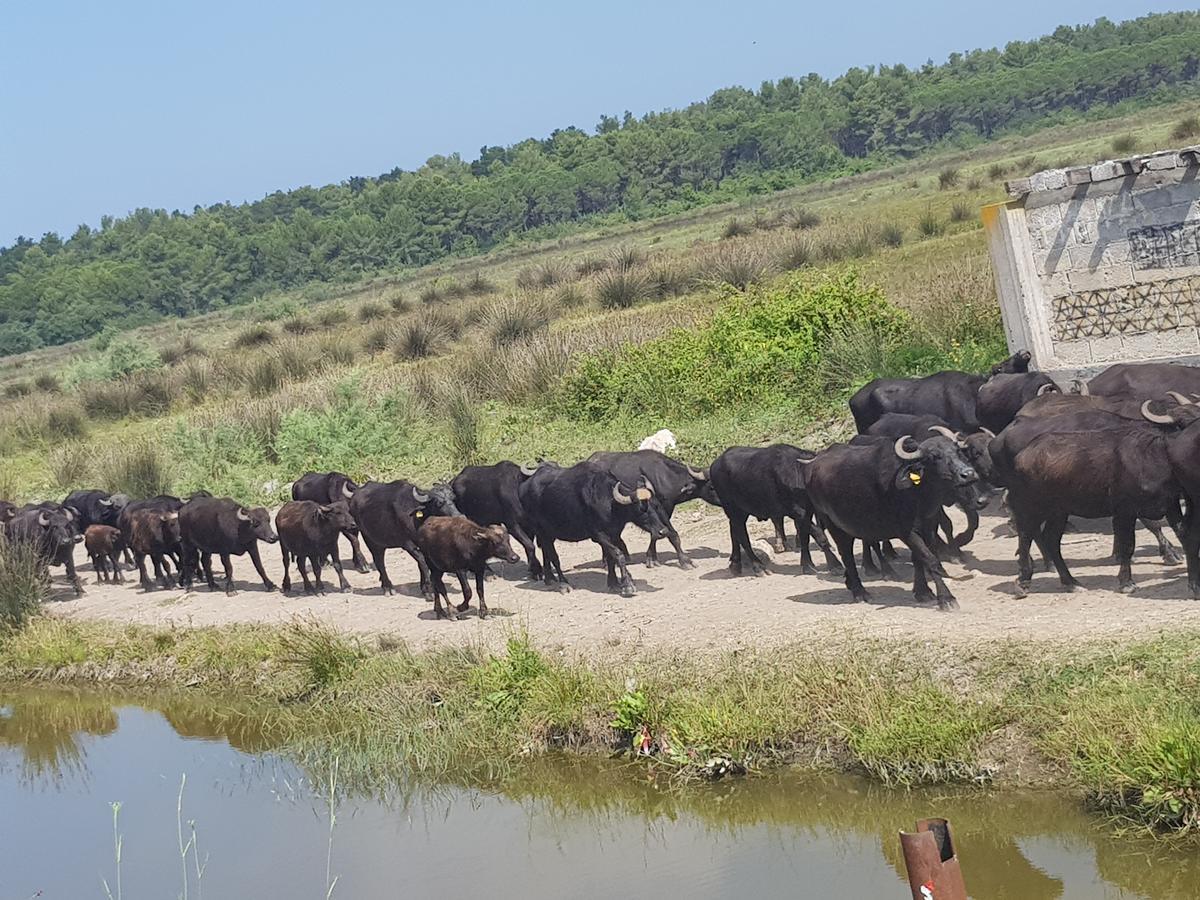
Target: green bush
(119, 356)
(23, 585)
(761, 347)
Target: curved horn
(1081, 387)
(987, 431)
(803, 461)
(1155, 417)
(1047, 389)
(242, 514)
(619, 497)
(1179, 398)
(528, 470)
(171, 517)
(419, 495)
(698, 474)
(902, 452)
(346, 492)
(44, 520)
(945, 432)
(105, 502)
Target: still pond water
(562, 829)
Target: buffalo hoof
(270, 586)
(1071, 587)
(925, 596)
(735, 568)
(364, 569)
(388, 590)
(465, 605)
(1023, 589)
(836, 568)
(564, 588)
(861, 596)
(448, 613)
(651, 563)
(686, 563)
(758, 571)
(1171, 557)
(808, 569)
(230, 592)
(628, 591)
(947, 604)
(1127, 588)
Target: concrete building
(1101, 264)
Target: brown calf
(153, 533)
(104, 544)
(309, 531)
(456, 544)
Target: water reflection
(559, 827)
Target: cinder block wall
(1101, 264)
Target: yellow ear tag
(420, 514)
(914, 477)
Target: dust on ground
(705, 609)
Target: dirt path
(702, 609)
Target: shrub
(185, 348)
(860, 241)
(735, 227)
(335, 350)
(801, 218)
(670, 278)
(453, 290)
(196, 378)
(514, 318)
(47, 383)
(399, 302)
(947, 178)
(23, 586)
(891, 234)
(377, 339)
(298, 325)
(15, 389)
(590, 265)
(626, 257)
(930, 225)
(460, 410)
(738, 265)
(121, 355)
(419, 338)
(1186, 128)
(997, 170)
(569, 296)
(761, 346)
(974, 183)
(320, 654)
(65, 420)
(796, 253)
(69, 464)
(430, 294)
(139, 470)
(1124, 143)
(296, 359)
(1027, 163)
(254, 336)
(479, 285)
(543, 275)
(961, 211)
(620, 288)
(104, 399)
(332, 316)
(264, 376)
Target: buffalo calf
(153, 533)
(309, 531)
(459, 545)
(103, 544)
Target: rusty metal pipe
(931, 862)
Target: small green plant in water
(629, 712)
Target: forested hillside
(155, 263)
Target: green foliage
(321, 655)
(891, 234)
(629, 712)
(947, 178)
(119, 356)
(735, 227)
(1186, 129)
(621, 288)
(762, 347)
(930, 225)
(514, 318)
(505, 681)
(155, 264)
(961, 211)
(1124, 143)
(23, 586)
(140, 469)
(254, 336)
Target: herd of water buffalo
(1124, 445)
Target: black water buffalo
(163, 503)
(1001, 397)
(490, 495)
(154, 533)
(767, 483)
(950, 395)
(7, 511)
(384, 513)
(104, 544)
(1092, 464)
(309, 532)
(1180, 428)
(673, 482)
(96, 507)
(209, 525)
(877, 490)
(326, 488)
(456, 544)
(1144, 381)
(586, 502)
(50, 531)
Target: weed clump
(254, 336)
(947, 178)
(1186, 129)
(1124, 143)
(621, 288)
(930, 225)
(23, 584)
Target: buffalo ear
(909, 475)
(324, 511)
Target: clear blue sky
(106, 107)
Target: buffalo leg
(356, 553)
(1028, 528)
(809, 530)
(552, 565)
(780, 534)
(144, 577)
(526, 542)
(115, 561)
(161, 574)
(1123, 528)
(612, 551)
(461, 574)
(685, 561)
(206, 564)
(73, 576)
(1170, 556)
(317, 561)
(921, 554)
(379, 554)
(735, 549)
(868, 561)
(287, 568)
(258, 567)
(302, 566)
(343, 584)
(422, 568)
(1190, 537)
(845, 545)
(227, 564)
(483, 609)
(741, 536)
(100, 566)
(1052, 533)
(438, 584)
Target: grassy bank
(1116, 722)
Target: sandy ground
(703, 609)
